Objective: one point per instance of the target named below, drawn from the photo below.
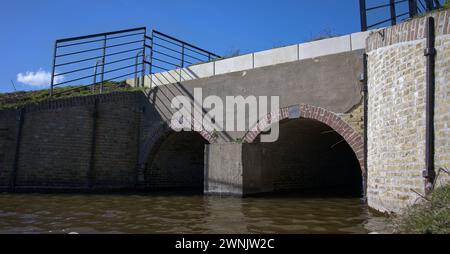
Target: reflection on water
(158, 213)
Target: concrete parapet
(265, 58)
(234, 64)
(276, 56)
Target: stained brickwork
(396, 121)
(56, 143)
(9, 125)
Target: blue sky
(29, 28)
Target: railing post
(95, 75)
(437, 4)
(53, 69)
(412, 8)
(363, 14)
(103, 64)
(151, 60)
(393, 13)
(182, 61)
(143, 59)
(429, 5)
(136, 63)
(95, 78)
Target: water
(162, 213)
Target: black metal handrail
(168, 53)
(81, 58)
(397, 9)
(100, 57)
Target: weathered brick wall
(396, 121)
(117, 144)
(355, 118)
(57, 140)
(9, 124)
(55, 148)
(442, 107)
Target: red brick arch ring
(353, 138)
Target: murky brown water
(50, 213)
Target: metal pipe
(437, 4)
(429, 5)
(412, 8)
(93, 58)
(363, 14)
(52, 82)
(151, 60)
(136, 61)
(101, 34)
(95, 75)
(185, 43)
(393, 13)
(430, 52)
(96, 49)
(143, 59)
(97, 40)
(103, 66)
(182, 62)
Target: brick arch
(159, 135)
(353, 138)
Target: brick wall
(117, 144)
(9, 125)
(396, 121)
(442, 106)
(57, 141)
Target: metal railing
(169, 53)
(393, 11)
(93, 60)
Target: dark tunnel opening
(177, 163)
(311, 159)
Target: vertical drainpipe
(90, 173)
(366, 110)
(430, 52)
(13, 179)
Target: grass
(19, 99)
(325, 34)
(428, 217)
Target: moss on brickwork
(18, 99)
(429, 217)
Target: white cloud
(39, 78)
